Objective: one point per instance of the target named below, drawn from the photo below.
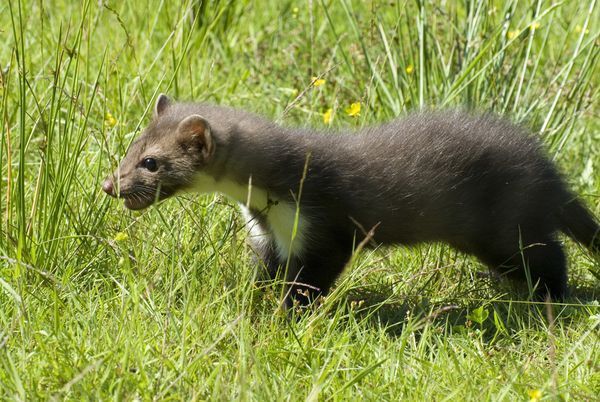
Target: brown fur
(476, 182)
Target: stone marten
(476, 182)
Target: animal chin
(137, 203)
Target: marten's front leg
(312, 274)
(262, 244)
(267, 261)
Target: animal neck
(244, 193)
(255, 164)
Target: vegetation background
(100, 303)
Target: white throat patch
(280, 215)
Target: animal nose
(108, 187)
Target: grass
(100, 303)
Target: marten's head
(164, 159)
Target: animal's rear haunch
(476, 182)
(580, 225)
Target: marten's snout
(108, 187)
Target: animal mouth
(141, 198)
(136, 201)
(138, 196)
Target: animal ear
(196, 130)
(162, 103)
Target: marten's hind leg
(543, 261)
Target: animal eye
(150, 164)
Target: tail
(580, 225)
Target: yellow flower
(578, 29)
(409, 69)
(121, 236)
(512, 34)
(317, 82)
(295, 10)
(534, 395)
(535, 25)
(328, 116)
(353, 109)
(110, 120)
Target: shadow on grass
(584, 294)
(499, 315)
(490, 309)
